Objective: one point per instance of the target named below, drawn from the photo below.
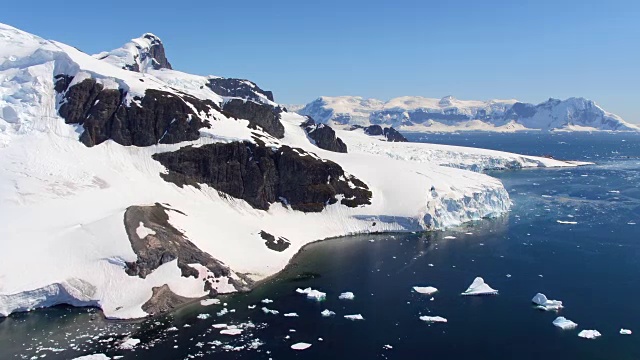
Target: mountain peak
(140, 54)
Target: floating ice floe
(93, 357)
(433, 319)
(387, 347)
(354, 317)
(426, 290)
(231, 332)
(566, 222)
(251, 307)
(346, 296)
(312, 294)
(204, 316)
(430, 265)
(564, 323)
(291, 315)
(207, 302)
(589, 334)
(219, 326)
(266, 301)
(546, 304)
(449, 237)
(222, 312)
(327, 313)
(479, 287)
(173, 328)
(269, 311)
(129, 344)
(301, 346)
(625, 332)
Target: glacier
(66, 202)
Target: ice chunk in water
(269, 311)
(589, 334)
(219, 326)
(449, 237)
(207, 302)
(479, 287)
(129, 344)
(426, 290)
(546, 304)
(346, 296)
(203, 316)
(312, 294)
(327, 313)
(300, 346)
(564, 323)
(291, 315)
(433, 319)
(232, 332)
(625, 332)
(266, 301)
(354, 317)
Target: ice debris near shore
(203, 316)
(479, 287)
(312, 294)
(231, 331)
(327, 313)
(301, 346)
(346, 296)
(426, 290)
(269, 311)
(354, 317)
(589, 334)
(433, 319)
(564, 323)
(129, 344)
(208, 302)
(93, 357)
(546, 304)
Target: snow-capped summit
(415, 113)
(140, 54)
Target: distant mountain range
(415, 113)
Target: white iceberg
(589, 334)
(269, 311)
(625, 332)
(232, 332)
(291, 315)
(433, 319)
(479, 287)
(129, 344)
(426, 290)
(300, 346)
(312, 294)
(207, 302)
(564, 323)
(203, 316)
(219, 326)
(354, 317)
(449, 237)
(266, 301)
(546, 304)
(346, 296)
(93, 357)
(327, 313)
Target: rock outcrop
(239, 88)
(278, 244)
(324, 136)
(163, 300)
(164, 243)
(158, 117)
(260, 115)
(391, 134)
(262, 176)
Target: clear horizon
(300, 51)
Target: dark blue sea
(591, 262)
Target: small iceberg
(354, 317)
(567, 222)
(546, 304)
(327, 313)
(312, 294)
(426, 290)
(207, 302)
(266, 301)
(269, 311)
(219, 326)
(625, 332)
(232, 332)
(203, 316)
(479, 287)
(433, 319)
(449, 237)
(300, 346)
(564, 323)
(589, 334)
(291, 315)
(347, 296)
(129, 344)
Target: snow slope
(64, 203)
(415, 113)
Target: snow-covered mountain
(414, 113)
(134, 187)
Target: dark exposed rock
(280, 244)
(324, 136)
(163, 301)
(260, 115)
(389, 133)
(155, 53)
(261, 175)
(158, 117)
(167, 244)
(238, 88)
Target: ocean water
(592, 266)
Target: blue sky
(469, 49)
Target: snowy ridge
(66, 201)
(415, 113)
